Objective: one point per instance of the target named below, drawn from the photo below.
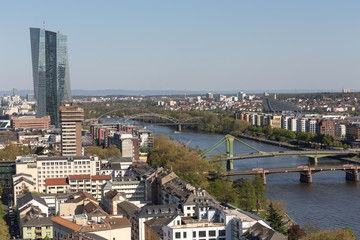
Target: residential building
(36, 228)
(340, 130)
(50, 72)
(128, 145)
(132, 186)
(71, 118)
(42, 168)
(113, 228)
(326, 127)
(56, 185)
(353, 130)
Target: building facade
(71, 118)
(50, 72)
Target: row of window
(211, 233)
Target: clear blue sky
(187, 44)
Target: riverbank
(271, 142)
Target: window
(194, 234)
(184, 234)
(28, 228)
(202, 234)
(177, 235)
(222, 233)
(212, 233)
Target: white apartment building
(340, 130)
(312, 126)
(301, 125)
(132, 187)
(42, 168)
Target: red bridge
(352, 171)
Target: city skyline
(50, 72)
(194, 46)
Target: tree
(259, 192)
(342, 234)
(223, 191)
(4, 230)
(275, 220)
(247, 196)
(295, 232)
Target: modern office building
(50, 72)
(70, 121)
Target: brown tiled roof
(117, 222)
(83, 195)
(100, 177)
(92, 207)
(66, 223)
(80, 176)
(111, 194)
(55, 181)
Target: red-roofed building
(56, 185)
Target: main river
(330, 201)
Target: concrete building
(128, 145)
(340, 130)
(353, 130)
(71, 118)
(30, 122)
(133, 188)
(36, 228)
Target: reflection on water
(330, 201)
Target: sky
(197, 45)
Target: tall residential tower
(50, 72)
(71, 118)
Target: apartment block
(71, 118)
(42, 168)
(31, 122)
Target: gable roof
(81, 196)
(92, 208)
(28, 197)
(66, 223)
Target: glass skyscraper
(50, 72)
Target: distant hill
(123, 92)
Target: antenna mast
(44, 24)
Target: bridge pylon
(229, 149)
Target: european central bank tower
(50, 72)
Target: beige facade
(42, 168)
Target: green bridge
(313, 155)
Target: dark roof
(117, 222)
(83, 236)
(273, 105)
(94, 209)
(43, 221)
(258, 231)
(159, 210)
(28, 197)
(118, 159)
(157, 224)
(81, 196)
(127, 208)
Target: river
(329, 202)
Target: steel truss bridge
(146, 115)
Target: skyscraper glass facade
(50, 72)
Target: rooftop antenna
(44, 24)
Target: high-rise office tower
(50, 72)
(70, 121)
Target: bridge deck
(294, 169)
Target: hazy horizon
(193, 45)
